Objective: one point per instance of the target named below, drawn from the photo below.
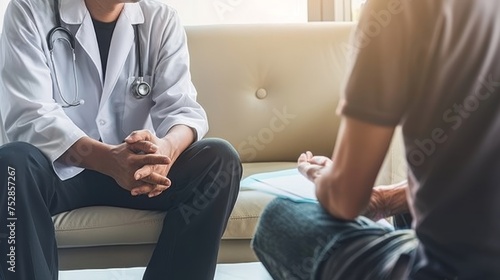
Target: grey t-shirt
(433, 66)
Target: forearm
(89, 154)
(345, 188)
(340, 199)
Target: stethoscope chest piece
(140, 88)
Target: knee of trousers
(221, 149)
(22, 158)
(219, 164)
(18, 153)
(222, 156)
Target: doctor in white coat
(98, 108)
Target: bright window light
(200, 12)
(356, 6)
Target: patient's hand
(377, 209)
(387, 201)
(310, 166)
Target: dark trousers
(205, 184)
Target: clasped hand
(142, 164)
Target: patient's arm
(344, 188)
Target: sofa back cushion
(271, 90)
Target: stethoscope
(139, 88)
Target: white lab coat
(30, 104)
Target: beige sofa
(271, 90)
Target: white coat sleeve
(174, 94)
(27, 107)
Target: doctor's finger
(139, 135)
(151, 159)
(143, 172)
(147, 170)
(144, 188)
(150, 190)
(157, 191)
(157, 179)
(143, 146)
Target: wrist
(178, 138)
(104, 158)
(168, 146)
(90, 154)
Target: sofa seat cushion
(105, 226)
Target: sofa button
(261, 93)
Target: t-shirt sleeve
(377, 89)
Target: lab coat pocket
(136, 113)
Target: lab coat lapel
(122, 44)
(87, 39)
(74, 13)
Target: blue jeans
(299, 241)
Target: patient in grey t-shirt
(437, 73)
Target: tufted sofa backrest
(271, 89)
